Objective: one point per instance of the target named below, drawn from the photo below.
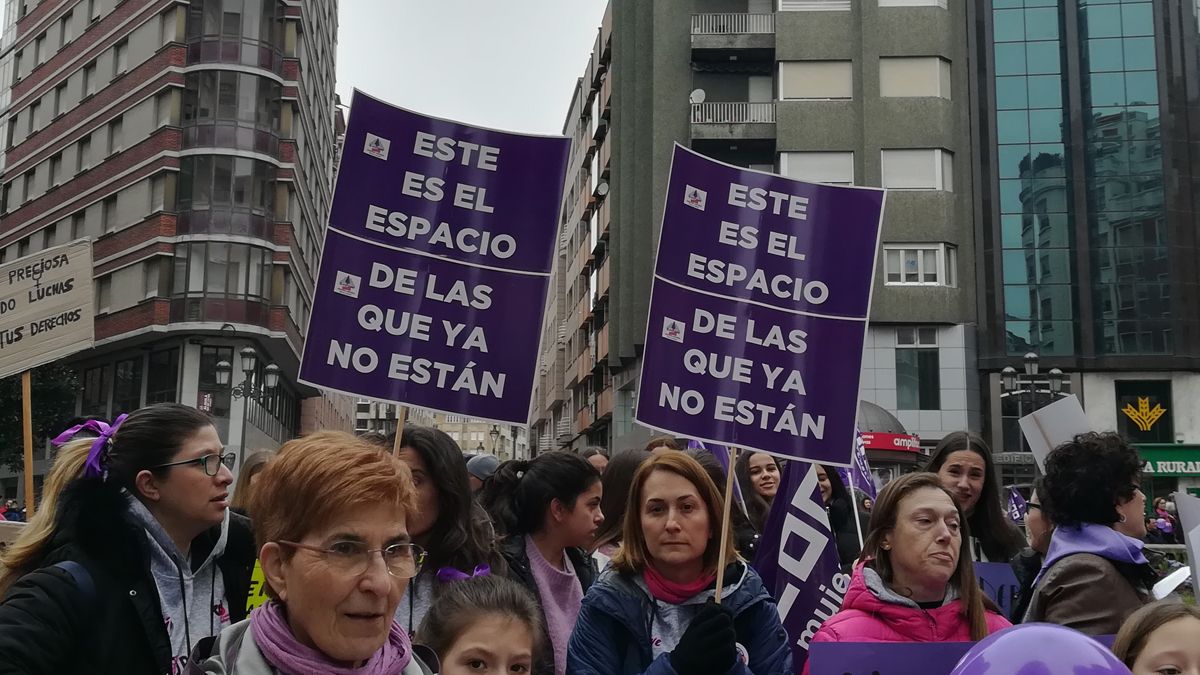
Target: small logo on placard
(347, 284)
(695, 197)
(377, 147)
(672, 329)
(743, 654)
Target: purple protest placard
(759, 310)
(999, 582)
(798, 560)
(899, 658)
(436, 264)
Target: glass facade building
(1088, 117)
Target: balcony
(733, 120)
(602, 282)
(742, 31)
(604, 404)
(602, 343)
(584, 419)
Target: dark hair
(883, 521)
(521, 491)
(592, 451)
(149, 437)
(998, 537)
(757, 507)
(663, 442)
(1140, 625)
(837, 489)
(618, 477)
(1086, 478)
(744, 531)
(462, 537)
(461, 603)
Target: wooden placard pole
(401, 418)
(27, 424)
(725, 525)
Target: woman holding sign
(138, 558)
(652, 612)
(916, 582)
(963, 462)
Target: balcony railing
(733, 24)
(733, 113)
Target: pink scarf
(669, 591)
(280, 648)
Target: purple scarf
(281, 649)
(1096, 539)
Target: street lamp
(1030, 386)
(248, 389)
(494, 434)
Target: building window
(918, 381)
(120, 58)
(59, 93)
(103, 294)
(64, 28)
(916, 76)
(213, 398)
(127, 388)
(35, 109)
(816, 80)
(116, 136)
(162, 380)
(814, 5)
(226, 182)
(39, 49)
(924, 169)
(89, 79)
(835, 168)
(913, 3)
(56, 172)
(97, 382)
(221, 269)
(920, 264)
(109, 215)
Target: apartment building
(194, 144)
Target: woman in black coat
(80, 593)
(840, 508)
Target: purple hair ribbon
(98, 455)
(448, 575)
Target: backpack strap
(82, 578)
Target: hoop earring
(1122, 517)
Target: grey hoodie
(882, 591)
(193, 601)
(670, 621)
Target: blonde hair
(633, 556)
(25, 554)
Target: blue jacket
(612, 636)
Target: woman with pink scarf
(331, 518)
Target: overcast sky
(509, 65)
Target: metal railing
(733, 24)
(733, 113)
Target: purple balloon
(1039, 649)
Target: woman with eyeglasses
(133, 557)
(332, 515)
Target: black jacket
(50, 625)
(513, 550)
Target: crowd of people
(388, 556)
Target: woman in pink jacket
(914, 581)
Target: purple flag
(758, 310)
(798, 560)
(436, 264)
(1017, 506)
(862, 479)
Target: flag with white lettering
(798, 560)
(861, 480)
(1017, 506)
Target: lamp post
(248, 389)
(1031, 386)
(494, 434)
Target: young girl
(484, 625)
(548, 510)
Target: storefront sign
(1144, 410)
(896, 442)
(1170, 460)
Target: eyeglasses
(352, 558)
(210, 463)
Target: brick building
(194, 144)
